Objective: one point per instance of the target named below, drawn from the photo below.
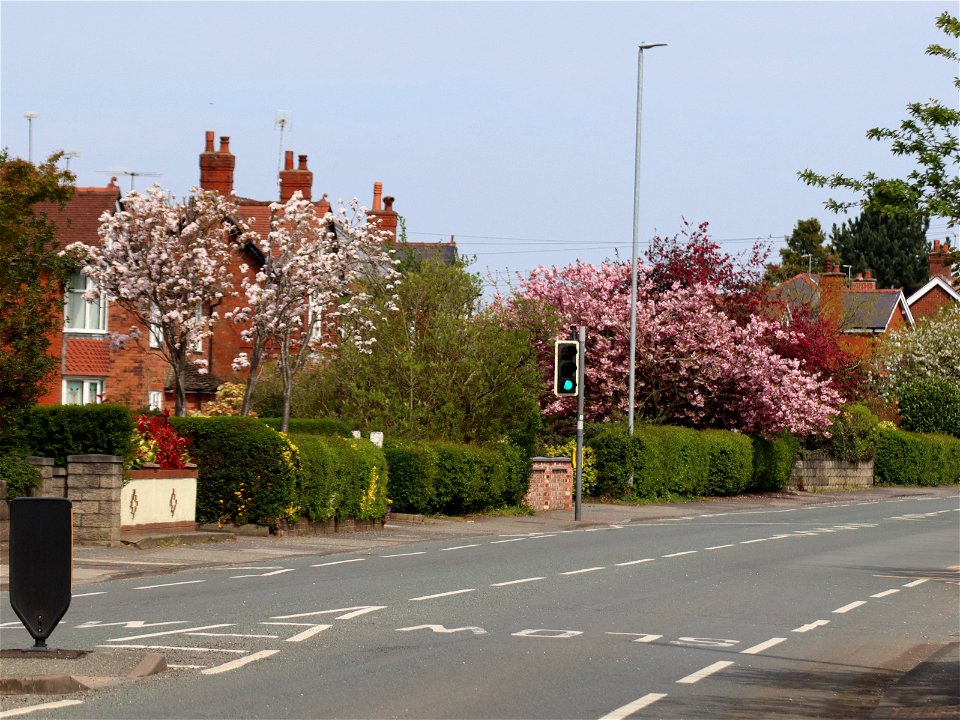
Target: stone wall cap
(95, 458)
(551, 459)
(34, 460)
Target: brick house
(863, 313)
(939, 291)
(100, 361)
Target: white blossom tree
(931, 348)
(167, 263)
(307, 293)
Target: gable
(79, 219)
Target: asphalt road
(792, 612)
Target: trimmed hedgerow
(730, 458)
(773, 460)
(413, 475)
(20, 477)
(930, 405)
(247, 471)
(906, 458)
(57, 431)
(311, 426)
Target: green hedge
(311, 426)
(930, 405)
(443, 477)
(906, 458)
(56, 431)
(340, 478)
(247, 470)
(668, 461)
(773, 460)
(19, 477)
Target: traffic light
(566, 366)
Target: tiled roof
(79, 219)
(445, 252)
(869, 310)
(195, 381)
(87, 357)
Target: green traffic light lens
(568, 384)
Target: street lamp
(30, 116)
(636, 230)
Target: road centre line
(102, 592)
(459, 547)
(517, 582)
(635, 562)
(583, 570)
(338, 562)
(181, 631)
(885, 593)
(705, 672)
(916, 582)
(444, 594)
(678, 554)
(266, 574)
(395, 555)
(719, 547)
(185, 582)
(497, 542)
(55, 705)
(630, 708)
(239, 662)
(760, 647)
(850, 606)
(811, 626)
(750, 542)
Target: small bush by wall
(906, 458)
(773, 460)
(247, 470)
(730, 457)
(56, 431)
(20, 477)
(413, 475)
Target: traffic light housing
(566, 368)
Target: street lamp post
(636, 231)
(30, 116)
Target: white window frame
(89, 389)
(155, 399)
(94, 312)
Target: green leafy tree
(929, 136)
(804, 251)
(892, 247)
(443, 367)
(929, 349)
(32, 279)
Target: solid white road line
(497, 542)
(181, 631)
(719, 547)
(885, 593)
(517, 582)
(338, 562)
(266, 574)
(269, 637)
(43, 706)
(760, 647)
(102, 592)
(630, 708)
(185, 582)
(916, 582)
(445, 594)
(176, 647)
(421, 552)
(705, 672)
(583, 570)
(851, 606)
(238, 663)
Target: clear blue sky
(508, 125)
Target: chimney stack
(939, 259)
(292, 179)
(216, 167)
(384, 217)
(864, 281)
(832, 282)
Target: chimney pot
(302, 162)
(209, 141)
(936, 246)
(224, 143)
(288, 160)
(388, 203)
(377, 194)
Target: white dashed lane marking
(760, 647)
(850, 606)
(705, 672)
(638, 704)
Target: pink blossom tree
(695, 365)
(307, 292)
(167, 263)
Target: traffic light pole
(582, 330)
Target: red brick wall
(931, 303)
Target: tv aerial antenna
(283, 122)
(132, 174)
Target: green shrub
(20, 477)
(683, 462)
(588, 476)
(247, 470)
(773, 460)
(906, 458)
(614, 460)
(312, 426)
(930, 405)
(413, 476)
(852, 436)
(56, 431)
(730, 457)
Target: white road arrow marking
(441, 629)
